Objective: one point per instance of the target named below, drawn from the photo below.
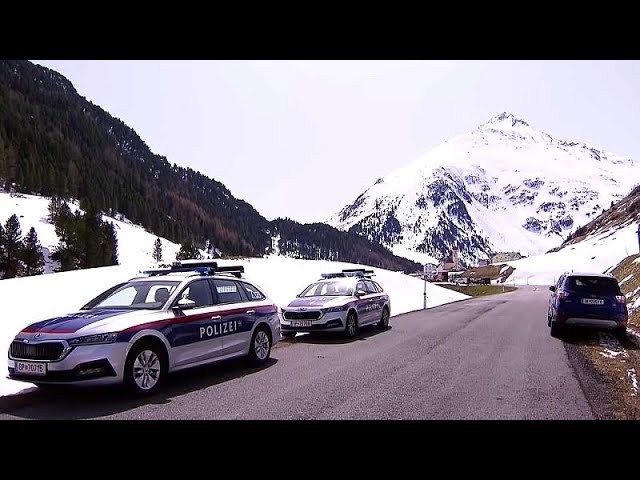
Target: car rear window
(252, 292)
(597, 285)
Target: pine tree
(188, 252)
(157, 251)
(55, 204)
(32, 254)
(111, 238)
(12, 246)
(90, 238)
(67, 253)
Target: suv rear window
(597, 285)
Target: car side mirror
(552, 288)
(360, 293)
(184, 304)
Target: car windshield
(595, 285)
(335, 288)
(144, 295)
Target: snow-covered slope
(597, 253)
(135, 244)
(598, 246)
(503, 187)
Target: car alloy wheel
(352, 326)
(146, 370)
(260, 346)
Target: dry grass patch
(479, 290)
(619, 360)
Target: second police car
(339, 302)
(135, 333)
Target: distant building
(482, 262)
(448, 264)
(505, 257)
(430, 268)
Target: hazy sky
(303, 138)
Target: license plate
(592, 301)
(31, 368)
(306, 323)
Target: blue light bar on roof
(201, 267)
(350, 272)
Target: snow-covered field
(30, 299)
(597, 253)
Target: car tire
(383, 324)
(260, 347)
(351, 328)
(548, 318)
(146, 368)
(556, 331)
(621, 332)
(288, 334)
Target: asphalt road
(484, 358)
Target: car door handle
(251, 312)
(216, 317)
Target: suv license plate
(592, 301)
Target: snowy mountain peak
(505, 119)
(504, 187)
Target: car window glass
(148, 295)
(126, 296)
(198, 292)
(596, 285)
(370, 286)
(243, 293)
(227, 291)
(252, 292)
(332, 288)
(159, 293)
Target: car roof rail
(197, 267)
(234, 271)
(350, 272)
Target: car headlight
(333, 309)
(93, 339)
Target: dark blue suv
(587, 300)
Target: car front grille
(37, 351)
(310, 315)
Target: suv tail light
(563, 295)
(620, 299)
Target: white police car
(339, 302)
(189, 314)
